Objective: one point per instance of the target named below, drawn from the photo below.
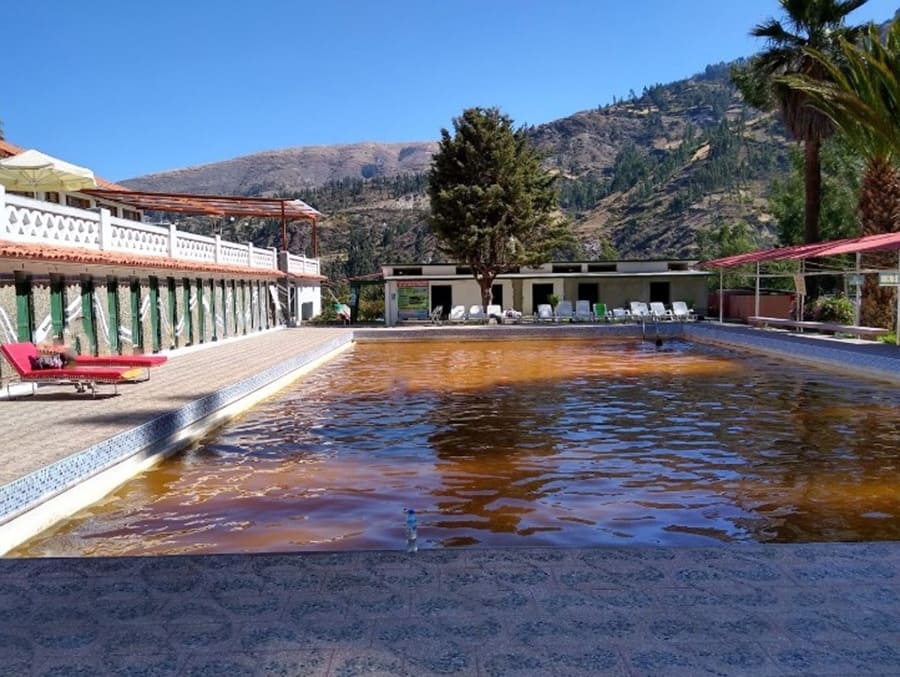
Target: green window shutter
(155, 329)
(244, 306)
(137, 327)
(224, 311)
(173, 312)
(24, 307)
(201, 312)
(112, 302)
(88, 317)
(186, 309)
(58, 305)
(234, 314)
(212, 309)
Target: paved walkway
(817, 609)
(738, 610)
(41, 430)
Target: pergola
(801, 252)
(218, 205)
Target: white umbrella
(34, 171)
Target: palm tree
(812, 24)
(861, 96)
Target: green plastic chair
(599, 311)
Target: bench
(820, 327)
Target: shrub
(836, 309)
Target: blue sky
(131, 88)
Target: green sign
(889, 279)
(412, 301)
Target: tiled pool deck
(814, 609)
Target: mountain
(639, 178)
(290, 169)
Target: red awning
(275, 208)
(880, 242)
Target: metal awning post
(856, 306)
(721, 297)
(756, 305)
(284, 242)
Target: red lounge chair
(142, 361)
(84, 378)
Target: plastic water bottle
(412, 535)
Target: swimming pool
(567, 442)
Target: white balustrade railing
(32, 221)
(300, 265)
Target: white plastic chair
(564, 311)
(658, 311)
(680, 311)
(544, 312)
(457, 314)
(476, 313)
(583, 311)
(639, 311)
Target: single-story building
(411, 291)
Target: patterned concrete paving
(741, 610)
(815, 609)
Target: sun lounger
(680, 311)
(600, 312)
(476, 313)
(564, 311)
(544, 312)
(494, 311)
(583, 312)
(639, 311)
(457, 314)
(35, 368)
(620, 315)
(436, 314)
(658, 311)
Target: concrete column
(105, 235)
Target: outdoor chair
(494, 311)
(544, 312)
(34, 368)
(680, 311)
(620, 315)
(583, 312)
(476, 313)
(639, 311)
(457, 314)
(436, 314)
(658, 311)
(600, 312)
(564, 311)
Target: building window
(566, 267)
(463, 270)
(52, 197)
(114, 211)
(601, 267)
(131, 215)
(79, 202)
(407, 271)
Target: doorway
(588, 291)
(659, 292)
(497, 295)
(540, 293)
(441, 295)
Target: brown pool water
(525, 442)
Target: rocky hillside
(274, 172)
(638, 178)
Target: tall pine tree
(493, 207)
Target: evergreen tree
(493, 208)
